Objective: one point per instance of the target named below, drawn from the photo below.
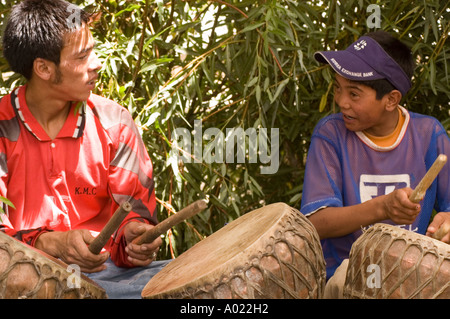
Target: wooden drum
(389, 262)
(271, 252)
(27, 273)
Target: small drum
(388, 262)
(27, 273)
(272, 252)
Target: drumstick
(187, 212)
(111, 226)
(420, 190)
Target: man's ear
(44, 69)
(393, 100)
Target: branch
(141, 49)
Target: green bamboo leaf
(252, 27)
(280, 89)
(434, 27)
(133, 7)
(323, 102)
(256, 185)
(258, 94)
(7, 202)
(252, 82)
(324, 98)
(228, 59)
(433, 76)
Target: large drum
(389, 262)
(28, 273)
(271, 252)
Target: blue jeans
(126, 283)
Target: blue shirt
(345, 168)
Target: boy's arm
(341, 221)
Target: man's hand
(140, 255)
(441, 220)
(72, 248)
(399, 208)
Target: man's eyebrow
(86, 49)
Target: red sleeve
(130, 179)
(27, 236)
(118, 244)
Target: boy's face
(77, 72)
(360, 108)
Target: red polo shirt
(78, 179)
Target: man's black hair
(398, 51)
(36, 29)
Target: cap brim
(348, 65)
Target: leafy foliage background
(243, 63)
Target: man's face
(360, 109)
(77, 72)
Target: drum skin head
(254, 256)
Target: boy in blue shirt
(364, 162)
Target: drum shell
(27, 273)
(284, 261)
(408, 265)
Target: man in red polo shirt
(69, 158)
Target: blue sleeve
(322, 186)
(443, 179)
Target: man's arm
(130, 179)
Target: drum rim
(427, 245)
(226, 268)
(32, 253)
(411, 236)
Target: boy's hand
(399, 208)
(441, 220)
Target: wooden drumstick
(420, 190)
(187, 212)
(111, 226)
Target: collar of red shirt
(72, 128)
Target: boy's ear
(393, 100)
(43, 69)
